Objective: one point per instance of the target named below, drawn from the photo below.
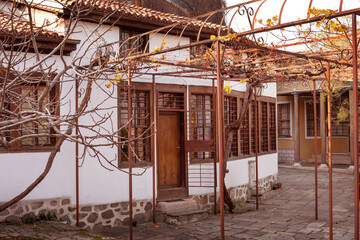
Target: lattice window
(173, 101)
(30, 94)
(244, 135)
(230, 116)
(201, 122)
(132, 46)
(253, 127)
(141, 143)
(264, 127)
(340, 127)
(284, 120)
(310, 129)
(272, 126)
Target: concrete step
(181, 211)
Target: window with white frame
(284, 120)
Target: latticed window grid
(264, 127)
(140, 126)
(131, 46)
(244, 135)
(340, 127)
(272, 126)
(30, 95)
(310, 126)
(230, 116)
(201, 122)
(284, 120)
(253, 127)
(174, 101)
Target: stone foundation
(115, 214)
(241, 193)
(90, 216)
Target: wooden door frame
(169, 88)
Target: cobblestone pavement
(287, 213)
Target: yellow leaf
(212, 37)
(108, 85)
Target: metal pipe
(256, 148)
(77, 154)
(153, 147)
(214, 136)
(315, 152)
(330, 153)
(220, 127)
(356, 126)
(130, 156)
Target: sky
(293, 9)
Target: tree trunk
(229, 133)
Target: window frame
(290, 120)
(306, 102)
(142, 87)
(54, 97)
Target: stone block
(86, 209)
(36, 205)
(65, 202)
(107, 214)
(100, 207)
(92, 217)
(53, 203)
(148, 206)
(4, 213)
(12, 220)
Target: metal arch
(257, 10)
(281, 11)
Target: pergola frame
(221, 74)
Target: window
(201, 122)
(171, 101)
(24, 100)
(264, 127)
(230, 116)
(244, 135)
(252, 124)
(272, 126)
(284, 123)
(310, 127)
(133, 46)
(340, 127)
(140, 129)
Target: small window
(310, 126)
(134, 46)
(201, 122)
(230, 116)
(141, 145)
(272, 127)
(171, 101)
(284, 122)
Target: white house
(175, 154)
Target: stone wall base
(115, 214)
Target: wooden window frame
(54, 96)
(133, 32)
(306, 103)
(280, 119)
(142, 87)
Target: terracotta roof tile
(11, 25)
(145, 13)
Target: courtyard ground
(286, 213)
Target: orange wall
(340, 144)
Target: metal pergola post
(220, 127)
(130, 156)
(315, 151)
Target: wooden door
(170, 149)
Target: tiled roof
(11, 25)
(133, 11)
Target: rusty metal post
(77, 154)
(220, 127)
(330, 153)
(315, 152)
(214, 135)
(130, 156)
(256, 148)
(356, 126)
(153, 147)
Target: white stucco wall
(97, 184)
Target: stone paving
(286, 213)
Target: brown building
(296, 128)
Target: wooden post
(297, 131)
